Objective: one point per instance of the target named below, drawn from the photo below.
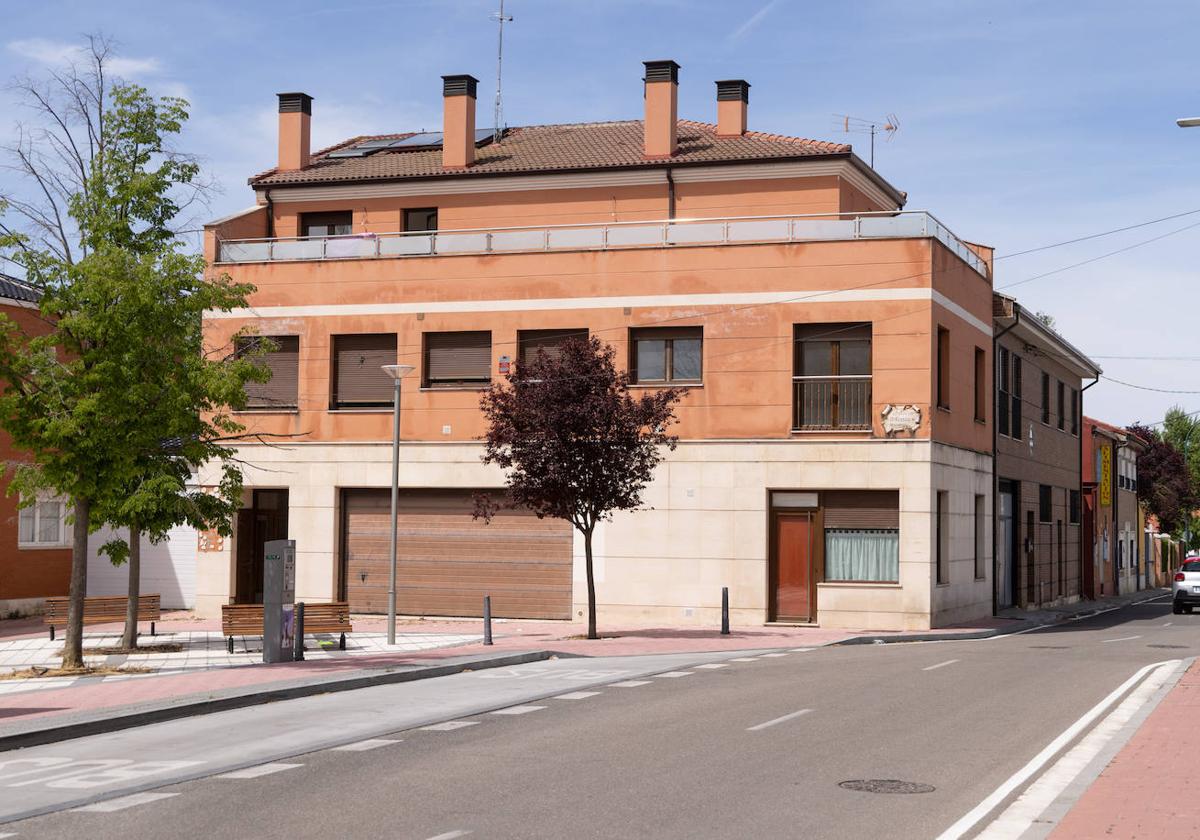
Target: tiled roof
(14, 289)
(550, 148)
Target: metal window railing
(617, 235)
(831, 403)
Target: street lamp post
(1188, 122)
(396, 372)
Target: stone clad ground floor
(877, 534)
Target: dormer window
(337, 223)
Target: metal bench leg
(231, 644)
(52, 632)
(342, 643)
(151, 628)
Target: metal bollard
(487, 619)
(725, 611)
(298, 620)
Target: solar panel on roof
(427, 138)
(422, 140)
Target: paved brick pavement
(1146, 791)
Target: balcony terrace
(676, 233)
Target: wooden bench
(103, 610)
(247, 620)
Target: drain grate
(1172, 647)
(886, 786)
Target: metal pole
(487, 619)
(298, 629)
(724, 610)
(391, 625)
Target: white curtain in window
(862, 554)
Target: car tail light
(1180, 576)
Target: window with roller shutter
(458, 359)
(531, 342)
(358, 377)
(862, 535)
(281, 391)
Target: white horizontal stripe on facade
(630, 301)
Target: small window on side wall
(458, 359)
(281, 391)
(1045, 503)
(417, 219)
(358, 377)
(980, 380)
(532, 342)
(336, 223)
(42, 524)
(666, 355)
(943, 368)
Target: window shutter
(550, 341)
(453, 357)
(862, 508)
(280, 391)
(358, 369)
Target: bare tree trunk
(129, 640)
(72, 656)
(591, 585)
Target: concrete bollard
(724, 610)
(487, 619)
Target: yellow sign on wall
(1106, 476)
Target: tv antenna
(500, 19)
(857, 125)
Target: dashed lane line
(1122, 639)
(369, 744)
(745, 659)
(576, 695)
(674, 674)
(629, 683)
(781, 719)
(123, 802)
(451, 835)
(941, 665)
(450, 725)
(258, 771)
(774, 654)
(712, 666)
(518, 710)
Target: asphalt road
(751, 749)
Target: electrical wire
(1097, 235)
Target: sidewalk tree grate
(886, 786)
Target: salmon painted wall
(747, 357)
(25, 572)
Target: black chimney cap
(733, 89)
(662, 71)
(291, 103)
(460, 85)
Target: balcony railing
(676, 233)
(831, 403)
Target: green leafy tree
(116, 398)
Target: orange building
(835, 458)
(35, 543)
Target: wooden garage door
(447, 561)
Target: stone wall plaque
(900, 418)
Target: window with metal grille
(336, 223)
(420, 219)
(458, 359)
(666, 355)
(281, 391)
(831, 380)
(358, 378)
(532, 342)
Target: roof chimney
(662, 108)
(295, 130)
(733, 96)
(458, 121)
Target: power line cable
(1097, 235)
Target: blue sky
(1022, 124)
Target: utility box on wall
(279, 596)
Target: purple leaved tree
(573, 442)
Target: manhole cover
(1051, 647)
(1172, 647)
(886, 786)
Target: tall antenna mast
(497, 124)
(857, 125)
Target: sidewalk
(1145, 791)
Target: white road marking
(518, 710)
(630, 683)
(7, 834)
(1030, 805)
(778, 720)
(123, 802)
(1168, 624)
(712, 666)
(577, 695)
(774, 654)
(800, 650)
(451, 835)
(970, 819)
(745, 659)
(1122, 639)
(259, 771)
(941, 665)
(673, 674)
(450, 725)
(369, 744)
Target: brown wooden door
(447, 560)
(792, 567)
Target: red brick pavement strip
(1145, 791)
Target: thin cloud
(752, 21)
(58, 53)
